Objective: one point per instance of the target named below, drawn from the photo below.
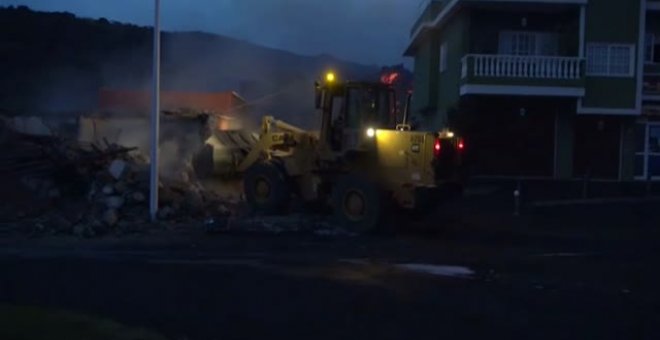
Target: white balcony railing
(532, 67)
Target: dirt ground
(587, 272)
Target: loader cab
(350, 108)
(369, 105)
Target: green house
(545, 88)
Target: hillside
(56, 62)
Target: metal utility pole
(155, 118)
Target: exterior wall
(510, 81)
(504, 142)
(628, 149)
(133, 132)
(426, 79)
(598, 146)
(559, 141)
(611, 93)
(653, 23)
(564, 141)
(652, 70)
(140, 101)
(429, 13)
(612, 21)
(487, 24)
(42, 126)
(456, 36)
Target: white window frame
(609, 64)
(647, 154)
(444, 63)
(649, 43)
(539, 43)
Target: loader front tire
(266, 188)
(357, 204)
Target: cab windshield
(370, 107)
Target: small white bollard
(516, 202)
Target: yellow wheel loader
(358, 163)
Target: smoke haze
(309, 27)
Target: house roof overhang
(454, 6)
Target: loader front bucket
(223, 152)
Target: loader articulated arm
(269, 122)
(276, 135)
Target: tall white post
(583, 29)
(155, 118)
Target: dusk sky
(366, 31)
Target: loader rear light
(461, 145)
(437, 147)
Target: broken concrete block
(121, 187)
(110, 217)
(79, 230)
(114, 202)
(140, 173)
(223, 210)
(60, 223)
(31, 183)
(193, 200)
(108, 189)
(185, 177)
(165, 212)
(139, 197)
(166, 195)
(117, 168)
(92, 192)
(54, 193)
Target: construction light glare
(450, 135)
(371, 132)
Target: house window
(647, 156)
(443, 57)
(528, 43)
(610, 60)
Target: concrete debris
(110, 217)
(79, 230)
(30, 183)
(91, 189)
(449, 271)
(54, 193)
(120, 187)
(108, 189)
(138, 197)
(60, 223)
(165, 212)
(193, 199)
(114, 202)
(117, 168)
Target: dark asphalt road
(528, 284)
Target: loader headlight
(330, 77)
(371, 132)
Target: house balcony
(496, 74)
(429, 11)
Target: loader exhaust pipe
(406, 110)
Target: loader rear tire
(357, 204)
(266, 188)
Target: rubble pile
(92, 189)
(54, 185)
